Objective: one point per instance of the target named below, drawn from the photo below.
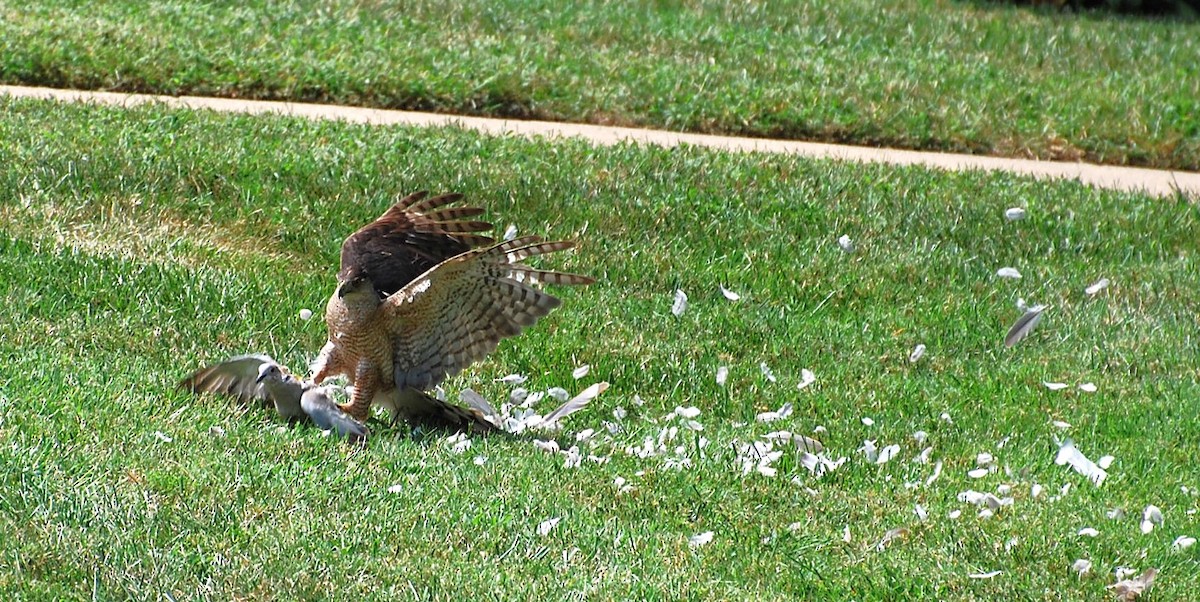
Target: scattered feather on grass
(1055, 386)
(917, 353)
(783, 412)
(572, 405)
(766, 371)
(937, 472)
(478, 402)
(550, 446)
(732, 296)
(700, 539)
(722, 375)
(306, 314)
(878, 456)
(1068, 454)
(680, 304)
(923, 457)
(806, 378)
(514, 379)
(1130, 589)
(845, 243)
(987, 575)
(581, 371)
(459, 443)
(1024, 325)
(818, 464)
(1152, 517)
(1182, 543)
(545, 527)
(887, 453)
(1011, 273)
(1096, 287)
(987, 501)
(1081, 567)
(1013, 214)
(892, 535)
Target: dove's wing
(235, 376)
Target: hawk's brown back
(414, 235)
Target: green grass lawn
(136, 246)
(929, 74)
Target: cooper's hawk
(258, 377)
(392, 345)
(416, 302)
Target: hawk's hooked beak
(261, 376)
(349, 286)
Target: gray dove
(259, 377)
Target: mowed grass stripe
(953, 76)
(95, 333)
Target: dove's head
(269, 372)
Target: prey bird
(396, 332)
(258, 377)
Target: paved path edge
(1154, 182)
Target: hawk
(420, 295)
(258, 377)
(396, 331)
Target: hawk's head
(355, 283)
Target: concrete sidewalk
(1155, 182)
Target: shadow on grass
(1184, 10)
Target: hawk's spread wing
(413, 236)
(457, 312)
